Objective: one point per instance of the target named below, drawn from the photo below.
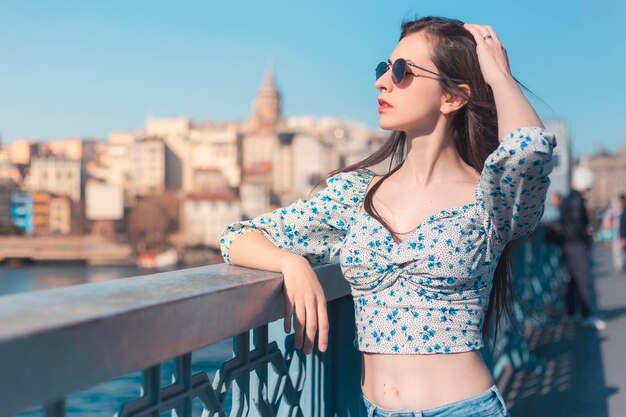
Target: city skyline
(84, 70)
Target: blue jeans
(487, 403)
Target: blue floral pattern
(427, 294)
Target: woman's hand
(492, 57)
(304, 292)
(512, 106)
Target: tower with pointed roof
(266, 110)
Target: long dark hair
(475, 136)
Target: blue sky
(86, 68)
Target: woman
(424, 247)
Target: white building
(204, 215)
(255, 200)
(103, 201)
(57, 176)
(60, 221)
(214, 147)
(168, 126)
(561, 172)
(562, 166)
(148, 166)
(8, 171)
(135, 163)
(118, 163)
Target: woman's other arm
(254, 250)
(513, 109)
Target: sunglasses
(399, 69)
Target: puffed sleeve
(514, 181)
(313, 228)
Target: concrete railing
(56, 342)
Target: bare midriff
(417, 382)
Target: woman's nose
(384, 82)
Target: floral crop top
(429, 293)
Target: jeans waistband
(371, 407)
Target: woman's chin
(385, 125)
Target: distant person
(577, 248)
(556, 199)
(622, 232)
(616, 212)
(552, 220)
(606, 232)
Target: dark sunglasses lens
(397, 70)
(381, 69)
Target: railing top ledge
(29, 313)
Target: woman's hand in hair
(304, 292)
(514, 109)
(492, 57)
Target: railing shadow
(572, 382)
(612, 314)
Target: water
(106, 398)
(42, 277)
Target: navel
(395, 392)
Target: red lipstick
(383, 104)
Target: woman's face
(416, 101)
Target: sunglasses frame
(404, 63)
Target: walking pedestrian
(577, 243)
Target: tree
(10, 229)
(152, 220)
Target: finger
(288, 314)
(478, 37)
(311, 326)
(484, 32)
(493, 34)
(322, 320)
(300, 320)
(479, 32)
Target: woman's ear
(453, 102)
